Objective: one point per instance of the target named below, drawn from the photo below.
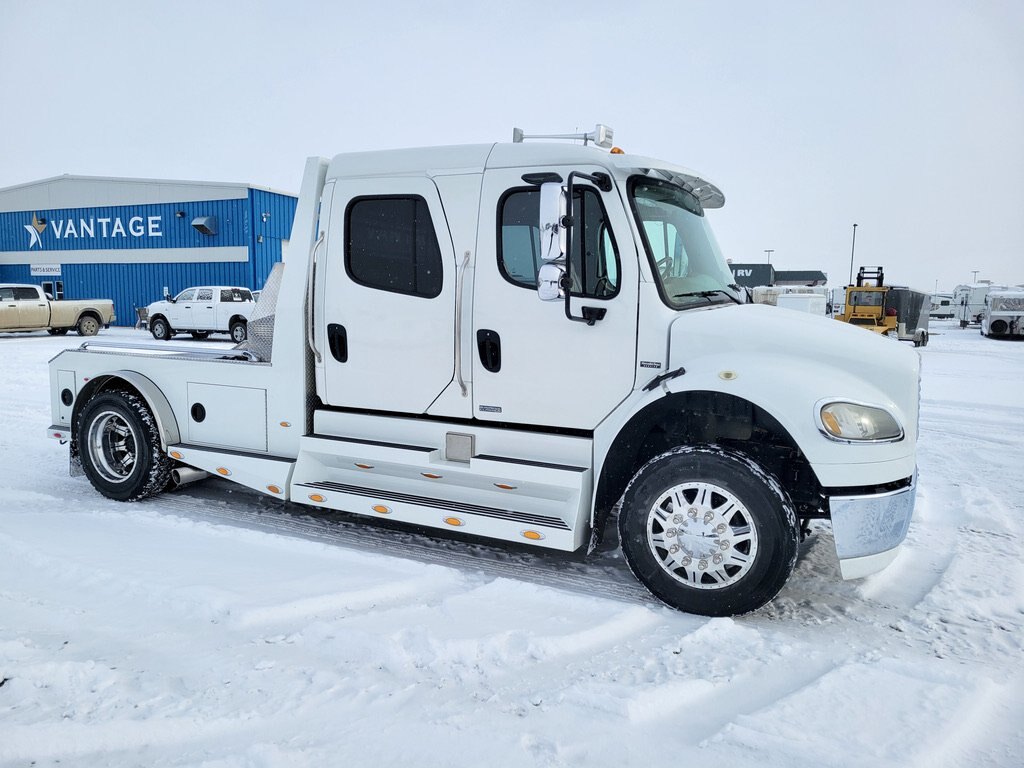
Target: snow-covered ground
(214, 627)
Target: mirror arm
(603, 182)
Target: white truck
(200, 311)
(26, 307)
(525, 342)
(1003, 316)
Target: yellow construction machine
(888, 310)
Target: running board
(267, 474)
(490, 496)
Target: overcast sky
(904, 117)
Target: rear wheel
(238, 331)
(119, 445)
(88, 326)
(160, 329)
(708, 531)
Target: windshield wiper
(708, 294)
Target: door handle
(337, 342)
(488, 344)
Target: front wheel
(238, 331)
(708, 531)
(160, 329)
(88, 326)
(119, 445)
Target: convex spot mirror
(549, 282)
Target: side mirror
(167, 293)
(549, 282)
(552, 221)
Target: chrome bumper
(868, 529)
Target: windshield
(1008, 303)
(681, 246)
(867, 298)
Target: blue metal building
(126, 239)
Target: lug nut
(723, 545)
(670, 533)
(720, 528)
(708, 517)
(673, 549)
(692, 512)
(717, 559)
(677, 519)
(703, 564)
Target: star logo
(35, 229)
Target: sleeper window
(390, 245)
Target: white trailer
(517, 341)
(969, 301)
(1004, 314)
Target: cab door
(179, 312)
(204, 310)
(532, 365)
(33, 311)
(8, 308)
(385, 295)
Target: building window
(594, 264)
(390, 245)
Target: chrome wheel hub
(113, 446)
(702, 535)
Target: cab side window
(6, 294)
(23, 293)
(205, 294)
(391, 245)
(594, 262)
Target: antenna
(601, 136)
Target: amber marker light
(454, 521)
(431, 476)
(223, 471)
(364, 466)
(317, 498)
(177, 455)
(532, 535)
(380, 509)
(273, 489)
(286, 423)
(616, 151)
(505, 487)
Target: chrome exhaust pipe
(184, 475)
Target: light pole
(852, 249)
(974, 274)
(769, 251)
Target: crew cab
(28, 308)
(535, 343)
(202, 310)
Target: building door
(532, 364)
(385, 297)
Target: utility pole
(769, 251)
(852, 249)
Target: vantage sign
(94, 227)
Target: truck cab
(534, 343)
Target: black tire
(119, 445)
(88, 325)
(238, 331)
(160, 329)
(740, 540)
(200, 335)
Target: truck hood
(776, 356)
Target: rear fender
(167, 424)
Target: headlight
(853, 421)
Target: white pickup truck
(525, 342)
(201, 311)
(28, 308)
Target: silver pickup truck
(28, 308)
